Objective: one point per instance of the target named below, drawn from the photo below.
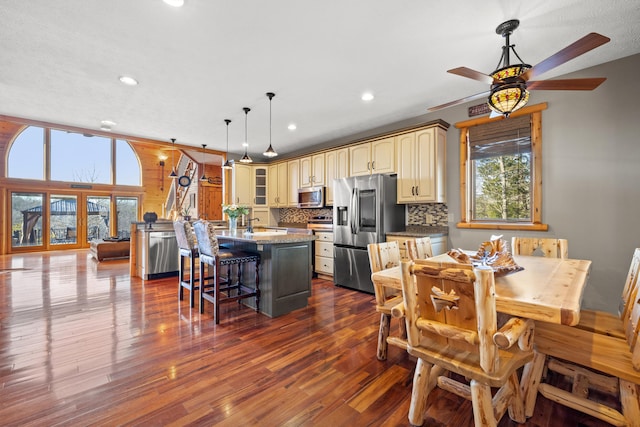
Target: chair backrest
(206, 237)
(550, 248)
(382, 256)
(454, 307)
(419, 248)
(630, 309)
(185, 235)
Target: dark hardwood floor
(82, 343)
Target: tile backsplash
(417, 214)
(295, 215)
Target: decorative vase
(186, 217)
(233, 225)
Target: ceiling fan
(511, 83)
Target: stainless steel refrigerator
(364, 210)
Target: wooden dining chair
(382, 256)
(452, 327)
(419, 248)
(550, 248)
(611, 324)
(593, 361)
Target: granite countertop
(421, 231)
(265, 239)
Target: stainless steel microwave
(311, 197)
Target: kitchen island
(285, 268)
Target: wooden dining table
(547, 289)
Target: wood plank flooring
(82, 343)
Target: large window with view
(501, 169)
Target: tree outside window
(501, 167)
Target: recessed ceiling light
(106, 125)
(367, 96)
(174, 3)
(129, 81)
(292, 126)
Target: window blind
(504, 137)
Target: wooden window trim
(536, 193)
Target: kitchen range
(364, 211)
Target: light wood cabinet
(421, 166)
(377, 156)
(336, 166)
(293, 169)
(242, 185)
(312, 170)
(323, 262)
(259, 189)
(278, 185)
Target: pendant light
(203, 177)
(173, 174)
(227, 163)
(246, 158)
(270, 151)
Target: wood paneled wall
(153, 192)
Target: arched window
(26, 158)
(75, 157)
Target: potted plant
(186, 213)
(233, 212)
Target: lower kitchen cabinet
(323, 264)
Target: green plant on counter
(185, 211)
(234, 211)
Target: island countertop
(264, 238)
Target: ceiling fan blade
(584, 45)
(566, 84)
(471, 74)
(459, 101)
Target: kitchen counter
(422, 231)
(285, 268)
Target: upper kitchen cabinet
(278, 185)
(377, 156)
(336, 166)
(421, 165)
(293, 169)
(259, 180)
(312, 170)
(242, 185)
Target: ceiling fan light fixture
(507, 98)
(510, 71)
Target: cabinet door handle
(417, 192)
(373, 164)
(413, 190)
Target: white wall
(591, 175)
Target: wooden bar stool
(218, 288)
(188, 248)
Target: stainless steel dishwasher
(160, 256)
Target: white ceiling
(202, 63)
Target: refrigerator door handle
(353, 211)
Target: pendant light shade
(173, 174)
(246, 158)
(270, 151)
(203, 177)
(227, 163)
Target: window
(501, 171)
(75, 157)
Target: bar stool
(188, 248)
(223, 289)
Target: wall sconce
(162, 158)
